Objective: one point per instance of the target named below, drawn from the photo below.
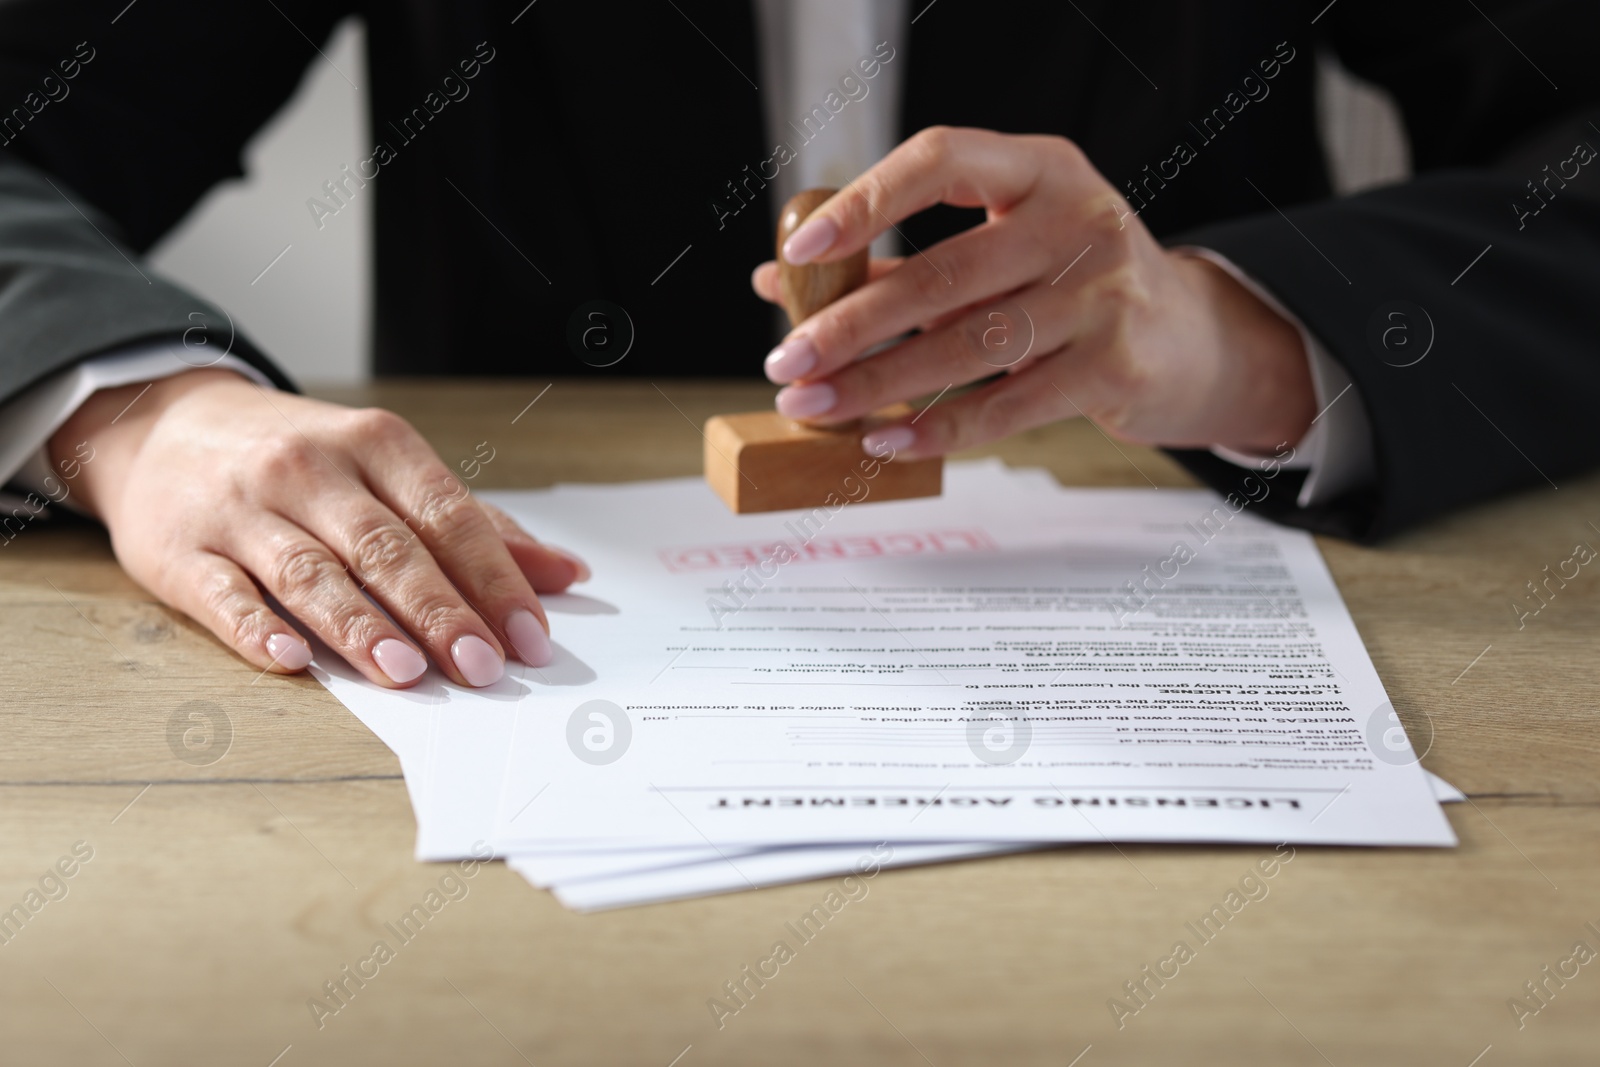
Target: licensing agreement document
(1006, 663)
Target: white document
(449, 739)
(591, 881)
(994, 665)
(758, 870)
(453, 742)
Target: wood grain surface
(235, 871)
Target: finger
(956, 274)
(548, 569)
(764, 279)
(396, 566)
(406, 474)
(973, 267)
(1010, 405)
(212, 590)
(999, 337)
(308, 579)
(796, 356)
(941, 164)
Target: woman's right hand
(214, 488)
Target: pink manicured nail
(886, 442)
(398, 660)
(477, 661)
(806, 401)
(812, 239)
(529, 639)
(578, 565)
(290, 653)
(790, 360)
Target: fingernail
(290, 653)
(790, 360)
(813, 238)
(528, 638)
(477, 661)
(805, 401)
(886, 442)
(398, 660)
(581, 569)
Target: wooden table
(220, 897)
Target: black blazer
(595, 144)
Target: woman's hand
(1062, 290)
(212, 486)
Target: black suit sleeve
(1454, 263)
(114, 120)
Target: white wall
(311, 310)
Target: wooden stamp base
(762, 461)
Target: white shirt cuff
(1336, 451)
(28, 419)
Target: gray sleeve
(70, 289)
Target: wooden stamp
(763, 461)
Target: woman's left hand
(1062, 290)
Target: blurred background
(252, 246)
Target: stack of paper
(739, 701)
